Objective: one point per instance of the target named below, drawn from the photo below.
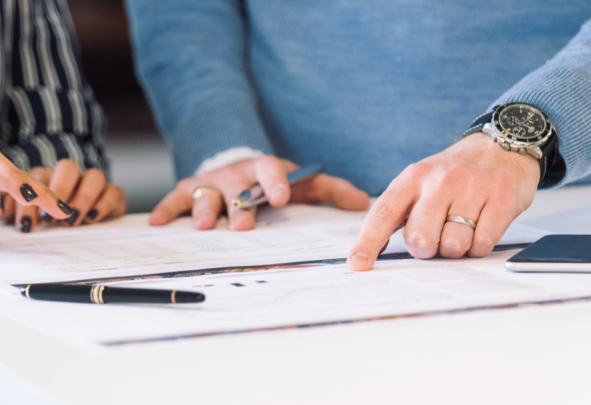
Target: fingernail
(2, 197)
(359, 259)
(28, 193)
(92, 213)
(66, 209)
(277, 191)
(46, 217)
(72, 218)
(25, 225)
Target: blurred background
(140, 160)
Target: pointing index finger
(388, 212)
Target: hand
(90, 198)
(474, 178)
(18, 187)
(271, 173)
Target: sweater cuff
(563, 94)
(213, 130)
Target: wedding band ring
(199, 191)
(461, 220)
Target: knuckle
(368, 240)
(418, 168)
(96, 173)
(187, 184)
(68, 164)
(269, 160)
(453, 246)
(83, 200)
(383, 212)
(418, 240)
(485, 241)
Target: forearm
(562, 89)
(192, 60)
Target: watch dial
(522, 123)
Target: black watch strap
(479, 122)
(549, 156)
(549, 149)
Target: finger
(240, 220)
(27, 191)
(272, 176)
(111, 204)
(90, 188)
(65, 179)
(387, 213)
(456, 238)
(7, 206)
(178, 202)
(422, 232)
(495, 218)
(323, 188)
(206, 209)
(26, 216)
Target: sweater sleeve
(49, 111)
(562, 89)
(192, 59)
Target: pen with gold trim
(99, 294)
(254, 195)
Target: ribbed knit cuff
(564, 94)
(215, 129)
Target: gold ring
(200, 190)
(461, 220)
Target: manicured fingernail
(2, 198)
(66, 209)
(28, 193)
(46, 217)
(25, 225)
(277, 191)
(72, 218)
(92, 214)
(359, 259)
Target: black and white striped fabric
(48, 111)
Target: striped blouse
(47, 111)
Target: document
(314, 295)
(128, 247)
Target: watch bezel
(517, 141)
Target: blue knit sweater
(367, 87)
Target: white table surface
(534, 355)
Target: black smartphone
(554, 253)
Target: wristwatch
(520, 128)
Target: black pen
(99, 294)
(254, 195)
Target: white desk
(537, 355)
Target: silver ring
(200, 190)
(461, 220)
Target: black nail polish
(72, 218)
(92, 214)
(66, 209)
(25, 225)
(46, 217)
(28, 193)
(2, 198)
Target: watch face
(522, 123)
